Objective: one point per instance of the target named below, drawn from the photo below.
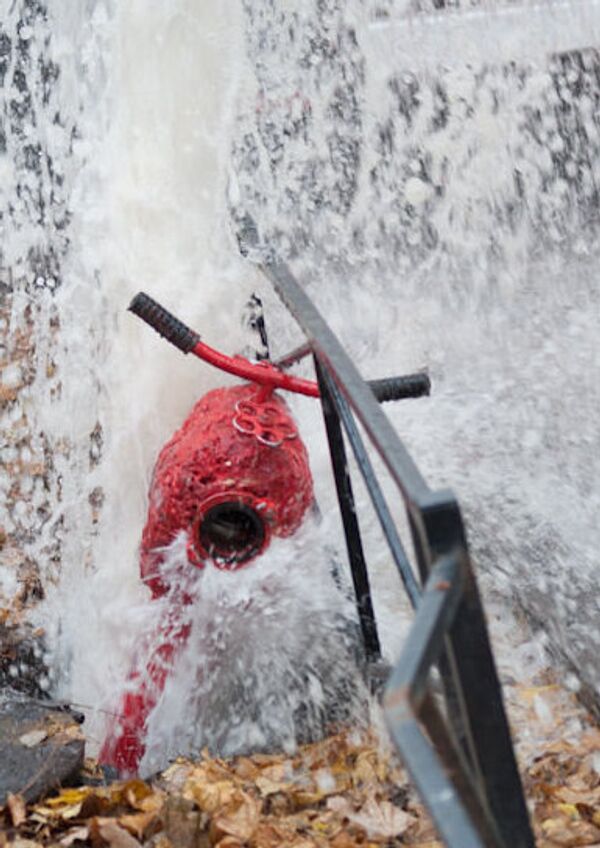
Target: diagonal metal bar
(381, 508)
(407, 695)
(435, 787)
(479, 705)
(360, 397)
(458, 770)
(425, 641)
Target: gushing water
(272, 659)
(439, 217)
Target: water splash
(273, 658)
(451, 217)
(443, 219)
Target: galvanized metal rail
(459, 753)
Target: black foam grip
(165, 324)
(396, 388)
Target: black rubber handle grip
(397, 388)
(165, 324)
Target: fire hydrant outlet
(231, 533)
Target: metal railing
(457, 746)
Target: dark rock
(41, 747)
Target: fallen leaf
(33, 738)
(152, 803)
(72, 811)
(304, 798)
(379, 818)
(77, 834)
(239, 818)
(569, 810)
(344, 839)
(570, 834)
(434, 844)
(211, 797)
(68, 797)
(184, 825)
(268, 787)
(176, 774)
(139, 824)
(369, 769)
(246, 768)
(567, 795)
(17, 809)
(116, 836)
(273, 835)
(134, 792)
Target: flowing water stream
(439, 217)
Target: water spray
(233, 476)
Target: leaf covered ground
(343, 792)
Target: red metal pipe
(262, 373)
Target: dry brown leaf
(268, 787)
(434, 844)
(304, 798)
(17, 809)
(279, 805)
(379, 818)
(345, 839)
(116, 836)
(246, 768)
(140, 824)
(62, 735)
(327, 824)
(562, 831)
(184, 825)
(280, 772)
(211, 797)
(76, 834)
(133, 792)
(72, 811)
(268, 759)
(369, 769)
(229, 842)
(151, 803)
(175, 777)
(568, 795)
(273, 834)
(423, 831)
(238, 818)
(275, 778)
(33, 738)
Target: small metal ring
(268, 442)
(246, 430)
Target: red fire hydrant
(234, 475)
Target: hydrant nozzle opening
(231, 533)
